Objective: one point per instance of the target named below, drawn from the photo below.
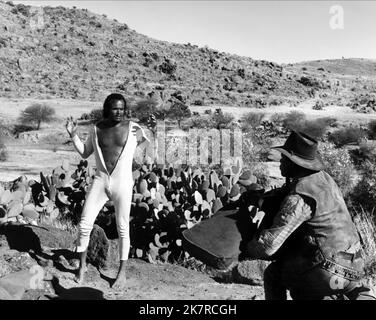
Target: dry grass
(365, 224)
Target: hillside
(76, 54)
(345, 67)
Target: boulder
(250, 272)
(97, 252)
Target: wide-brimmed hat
(302, 150)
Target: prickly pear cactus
(13, 202)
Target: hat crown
(301, 145)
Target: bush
(143, 108)
(339, 165)
(260, 171)
(222, 120)
(37, 113)
(372, 129)
(275, 101)
(309, 82)
(278, 119)
(315, 128)
(198, 103)
(293, 120)
(252, 120)
(319, 105)
(256, 147)
(364, 193)
(367, 150)
(168, 66)
(3, 152)
(19, 128)
(200, 122)
(21, 8)
(346, 135)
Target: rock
(27, 237)
(250, 272)
(98, 249)
(14, 285)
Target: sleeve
(84, 149)
(293, 212)
(140, 134)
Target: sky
(278, 31)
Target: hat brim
(315, 165)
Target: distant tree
(143, 108)
(37, 113)
(179, 111)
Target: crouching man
(313, 242)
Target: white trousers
(106, 187)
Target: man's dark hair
(107, 103)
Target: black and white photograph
(187, 156)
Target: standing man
(113, 141)
(312, 241)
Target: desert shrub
(315, 128)
(319, 105)
(275, 101)
(200, 122)
(365, 225)
(260, 171)
(309, 82)
(37, 113)
(3, 151)
(143, 108)
(168, 66)
(372, 129)
(21, 8)
(364, 193)
(222, 120)
(255, 146)
(339, 165)
(367, 150)
(252, 120)
(293, 120)
(277, 119)
(19, 128)
(346, 135)
(198, 102)
(318, 127)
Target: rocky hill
(73, 53)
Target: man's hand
(71, 126)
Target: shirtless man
(113, 141)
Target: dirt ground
(145, 280)
(161, 282)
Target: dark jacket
(325, 238)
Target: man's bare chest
(113, 138)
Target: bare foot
(79, 278)
(120, 282)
